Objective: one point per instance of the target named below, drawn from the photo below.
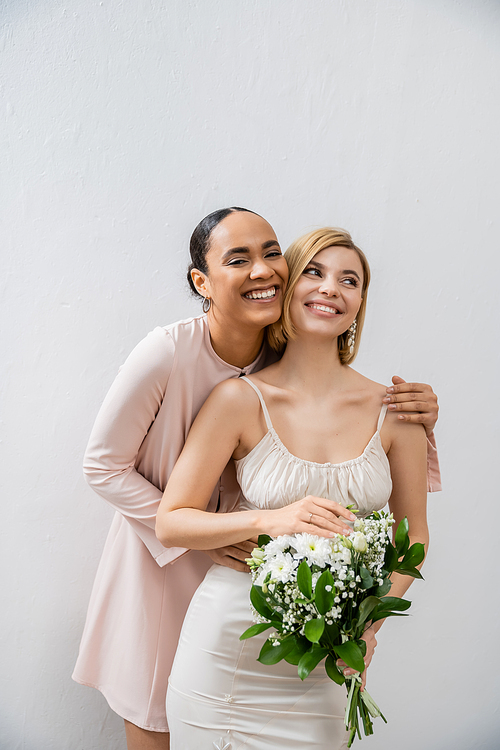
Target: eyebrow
(322, 267)
(233, 250)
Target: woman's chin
(261, 315)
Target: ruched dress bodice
(272, 477)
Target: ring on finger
(310, 517)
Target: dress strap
(381, 418)
(269, 424)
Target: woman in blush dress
(307, 434)
(142, 590)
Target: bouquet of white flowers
(319, 596)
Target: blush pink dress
(142, 590)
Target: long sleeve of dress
(122, 424)
(139, 601)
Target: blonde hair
(298, 255)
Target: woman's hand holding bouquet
(320, 595)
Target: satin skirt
(221, 698)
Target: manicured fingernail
(390, 390)
(392, 407)
(401, 416)
(386, 400)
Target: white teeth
(262, 295)
(323, 308)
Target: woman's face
(247, 274)
(327, 296)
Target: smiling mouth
(262, 294)
(325, 308)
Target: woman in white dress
(304, 432)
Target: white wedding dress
(220, 697)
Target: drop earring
(351, 338)
(207, 303)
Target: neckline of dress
(328, 465)
(240, 370)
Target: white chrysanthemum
(315, 549)
(280, 544)
(282, 567)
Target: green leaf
(310, 660)
(304, 579)
(384, 588)
(366, 578)
(270, 654)
(301, 646)
(313, 629)
(255, 630)
(395, 603)
(263, 539)
(331, 633)
(391, 558)
(402, 540)
(413, 572)
(351, 654)
(362, 646)
(258, 599)
(366, 607)
(414, 556)
(390, 606)
(384, 614)
(333, 671)
(323, 598)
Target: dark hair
(200, 241)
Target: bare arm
(407, 458)
(417, 403)
(182, 519)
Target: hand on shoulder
(414, 402)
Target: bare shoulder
(269, 375)
(368, 390)
(394, 432)
(235, 396)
